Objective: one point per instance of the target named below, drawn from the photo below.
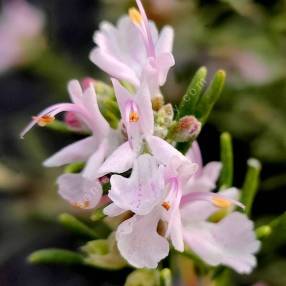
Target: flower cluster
(166, 197)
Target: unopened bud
(74, 123)
(87, 82)
(160, 131)
(165, 115)
(157, 102)
(187, 129)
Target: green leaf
(250, 185)
(74, 167)
(55, 256)
(191, 98)
(143, 277)
(276, 234)
(76, 226)
(226, 154)
(263, 231)
(210, 97)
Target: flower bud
(103, 253)
(74, 123)
(187, 129)
(165, 115)
(87, 82)
(157, 102)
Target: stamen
(166, 205)
(44, 120)
(133, 117)
(221, 202)
(135, 16)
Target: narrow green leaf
(191, 98)
(166, 277)
(55, 256)
(250, 185)
(74, 167)
(210, 97)
(226, 154)
(76, 226)
(263, 231)
(276, 234)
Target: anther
(133, 117)
(135, 16)
(221, 202)
(44, 120)
(166, 205)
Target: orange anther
(166, 206)
(133, 116)
(44, 120)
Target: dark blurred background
(247, 38)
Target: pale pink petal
(119, 161)
(199, 184)
(212, 171)
(99, 126)
(78, 151)
(112, 210)
(194, 153)
(165, 41)
(113, 67)
(143, 99)
(79, 191)
(176, 232)
(162, 150)
(95, 161)
(139, 242)
(128, 105)
(202, 210)
(147, 29)
(210, 197)
(143, 190)
(164, 62)
(123, 96)
(230, 242)
(75, 91)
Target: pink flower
(138, 119)
(149, 194)
(229, 242)
(123, 51)
(82, 190)
(21, 24)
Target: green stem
(76, 226)
(226, 177)
(250, 185)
